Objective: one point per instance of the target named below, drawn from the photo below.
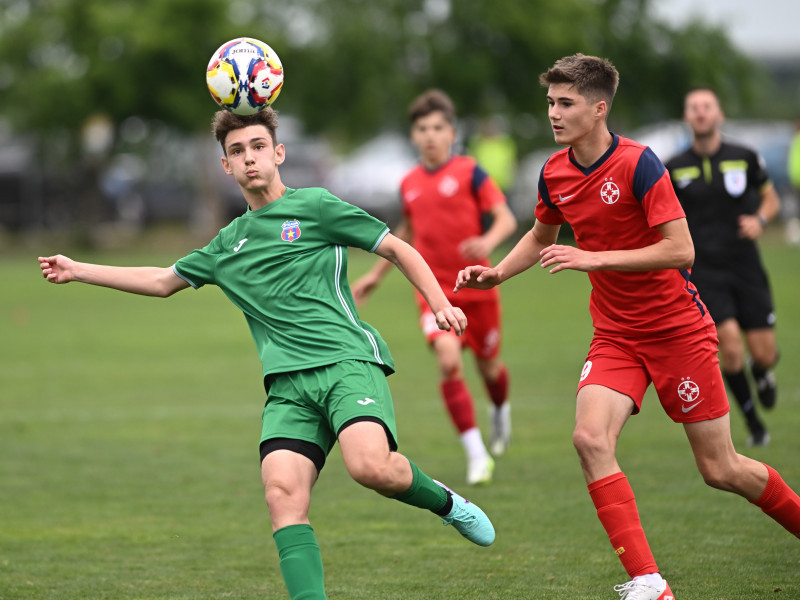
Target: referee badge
(734, 174)
(735, 182)
(290, 230)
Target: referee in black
(728, 199)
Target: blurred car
(181, 179)
(370, 176)
(19, 182)
(771, 139)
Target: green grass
(129, 469)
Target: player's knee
(369, 472)
(717, 476)
(716, 481)
(278, 495)
(451, 370)
(590, 444)
(448, 357)
(490, 369)
(286, 506)
(765, 359)
(732, 359)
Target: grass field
(129, 470)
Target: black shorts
(741, 291)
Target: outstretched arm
(147, 281)
(367, 283)
(417, 271)
(674, 250)
(522, 257)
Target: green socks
(424, 492)
(301, 562)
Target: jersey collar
(439, 168)
(599, 162)
(268, 207)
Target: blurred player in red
(445, 201)
(650, 324)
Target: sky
(760, 28)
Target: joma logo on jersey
(290, 230)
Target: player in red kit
(650, 324)
(445, 199)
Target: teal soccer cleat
(469, 520)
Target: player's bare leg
(725, 469)
(732, 357)
(600, 416)
(288, 478)
(719, 463)
(460, 406)
(369, 460)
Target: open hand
(477, 277)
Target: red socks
(780, 502)
(459, 404)
(616, 508)
(498, 389)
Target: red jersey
(615, 205)
(444, 207)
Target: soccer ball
(244, 76)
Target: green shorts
(314, 405)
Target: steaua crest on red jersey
(290, 230)
(448, 186)
(609, 191)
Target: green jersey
(285, 267)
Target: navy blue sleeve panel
(478, 177)
(544, 194)
(649, 169)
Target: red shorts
(483, 325)
(684, 369)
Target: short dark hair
(593, 77)
(701, 88)
(225, 121)
(430, 102)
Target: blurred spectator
(793, 170)
(495, 150)
(793, 164)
